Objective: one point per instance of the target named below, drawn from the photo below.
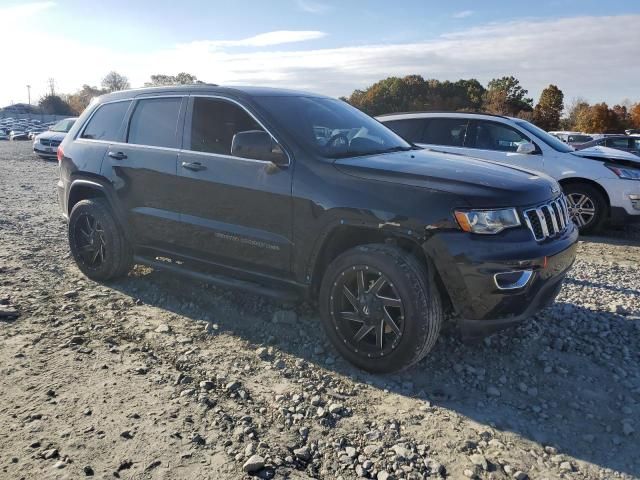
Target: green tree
(506, 96)
(54, 105)
(113, 82)
(159, 80)
(548, 111)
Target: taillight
(60, 154)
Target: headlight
(626, 173)
(487, 221)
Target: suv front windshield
(63, 125)
(332, 128)
(547, 138)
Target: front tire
(587, 207)
(97, 243)
(380, 308)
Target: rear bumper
(467, 265)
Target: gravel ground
(159, 377)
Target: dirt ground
(158, 377)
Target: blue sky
(588, 48)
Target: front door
(234, 211)
(499, 142)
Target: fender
(106, 190)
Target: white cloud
(463, 14)
(593, 57)
(268, 39)
(311, 6)
(10, 15)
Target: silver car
(45, 145)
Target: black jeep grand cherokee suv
(279, 191)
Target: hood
(482, 183)
(605, 153)
(49, 135)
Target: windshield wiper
(348, 154)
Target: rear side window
(445, 131)
(410, 129)
(154, 122)
(105, 123)
(495, 136)
(213, 124)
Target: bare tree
(113, 82)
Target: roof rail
(441, 111)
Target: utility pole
(29, 93)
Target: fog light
(512, 280)
(635, 201)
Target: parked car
(45, 145)
(572, 138)
(601, 184)
(277, 191)
(18, 134)
(633, 131)
(4, 134)
(626, 143)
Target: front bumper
(42, 151)
(467, 264)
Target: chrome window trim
(248, 112)
(79, 138)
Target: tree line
(501, 96)
(75, 103)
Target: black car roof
(237, 91)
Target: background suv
(601, 184)
(283, 192)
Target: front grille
(548, 220)
(49, 143)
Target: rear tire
(97, 243)
(587, 207)
(380, 308)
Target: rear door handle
(117, 155)
(195, 166)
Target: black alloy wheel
(368, 311)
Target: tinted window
(617, 142)
(579, 138)
(445, 131)
(154, 122)
(213, 124)
(106, 122)
(495, 136)
(330, 128)
(409, 129)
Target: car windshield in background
(332, 128)
(63, 126)
(550, 140)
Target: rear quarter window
(105, 123)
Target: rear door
(235, 211)
(143, 169)
(446, 134)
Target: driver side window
(213, 124)
(487, 135)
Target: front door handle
(195, 166)
(117, 155)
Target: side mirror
(526, 148)
(258, 145)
